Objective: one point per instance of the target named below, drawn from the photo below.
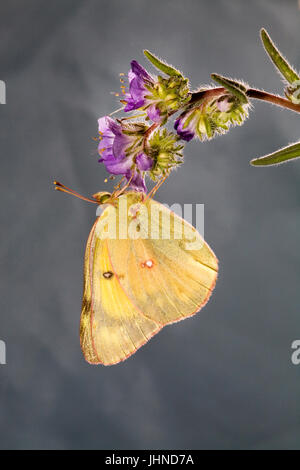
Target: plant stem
(251, 93)
(148, 133)
(274, 99)
(211, 92)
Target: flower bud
(292, 92)
(212, 114)
(165, 152)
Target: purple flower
(138, 77)
(144, 162)
(139, 95)
(185, 127)
(137, 181)
(158, 96)
(122, 153)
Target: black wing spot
(108, 275)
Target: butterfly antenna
(64, 189)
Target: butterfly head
(104, 197)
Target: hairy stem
(251, 93)
(274, 99)
(210, 93)
(148, 133)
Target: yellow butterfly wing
(133, 287)
(167, 279)
(111, 327)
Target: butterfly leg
(156, 187)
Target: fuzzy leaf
(280, 156)
(167, 69)
(277, 58)
(235, 88)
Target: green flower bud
(212, 114)
(165, 152)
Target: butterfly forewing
(112, 328)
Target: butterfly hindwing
(168, 279)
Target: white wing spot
(147, 264)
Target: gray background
(223, 379)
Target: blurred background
(222, 379)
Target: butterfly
(144, 267)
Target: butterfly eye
(108, 275)
(102, 197)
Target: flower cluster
(144, 147)
(124, 151)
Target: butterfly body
(145, 267)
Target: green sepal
(208, 128)
(277, 58)
(280, 156)
(235, 88)
(167, 69)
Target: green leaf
(231, 82)
(282, 155)
(277, 58)
(235, 88)
(167, 69)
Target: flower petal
(118, 166)
(104, 125)
(153, 113)
(137, 77)
(133, 104)
(121, 141)
(186, 133)
(144, 162)
(224, 105)
(137, 182)
(137, 89)
(139, 71)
